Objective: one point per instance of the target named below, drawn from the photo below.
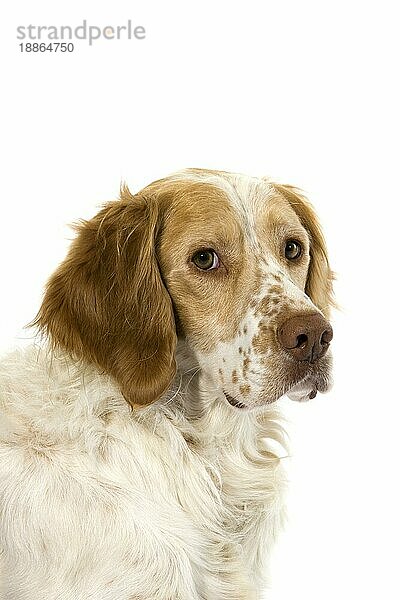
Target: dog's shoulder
(46, 394)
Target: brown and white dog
(134, 458)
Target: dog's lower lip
(234, 402)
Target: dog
(137, 433)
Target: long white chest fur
(101, 502)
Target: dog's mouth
(306, 380)
(299, 392)
(308, 387)
(233, 402)
(304, 389)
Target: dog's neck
(196, 407)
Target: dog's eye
(293, 249)
(206, 260)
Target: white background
(304, 91)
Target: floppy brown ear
(320, 276)
(106, 302)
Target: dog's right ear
(107, 304)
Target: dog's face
(235, 258)
(236, 266)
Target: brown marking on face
(246, 364)
(245, 389)
(275, 289)
(277, 277)
(258, 278)
(267, 306)
(264, 340)
(221, 375)
(240, 349)
(245, 330)
(284, 309)
(234, 376)
(264, 307)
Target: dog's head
(236, 266)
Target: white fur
(177, 501)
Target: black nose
(305, 337)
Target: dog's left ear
(107, 303)
(320, 276)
